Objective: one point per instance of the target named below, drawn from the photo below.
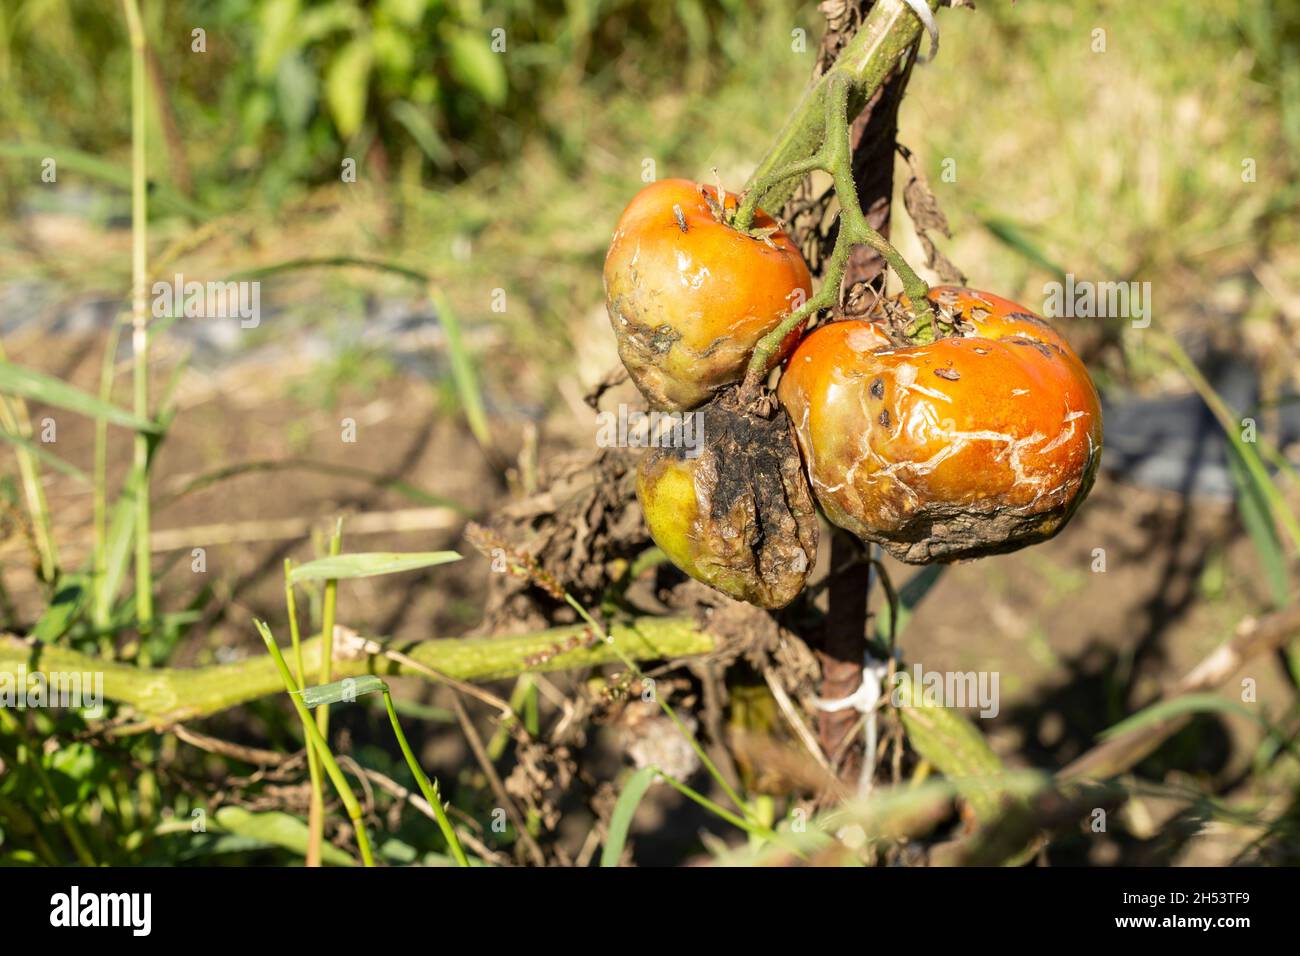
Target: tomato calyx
(723, 209)
(900, 325)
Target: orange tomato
(980, 442)
(689, 296)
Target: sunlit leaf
(277, 33)
(369, 564)
(346, 85)
(54, 461)
(39, 387)
(463, 372)
(474, 64)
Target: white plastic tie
(864, 701)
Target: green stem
(427, 787)
(328, 610)
(854, 228)
(103, 606)
(890, 30)
(165, 695)
(316, 809)
(139, 327)
(316, 740)
(316, 805)
(836, 157)
(748, 208)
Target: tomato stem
(748, 208)
(835, 156)
(890, 31)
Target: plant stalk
(316, 808)
(166, 695)
(315, 739)
(139, 323)
(103, 601)
(427, 787)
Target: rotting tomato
(736, 512)
(689, 296)
(980, 442)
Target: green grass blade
(117, 549)
(15, 420)
(37, 386)
(1179, 707)
(54, 461)
(226, 472)
(1230, 421)
(317, 739)
(462, 370)
(1252, 505)
(76, 161)
(1014, 237)
(368, 564)
(329, 262)
(624, 810)
(429, 788)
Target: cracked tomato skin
(688, 307)
(981, 442)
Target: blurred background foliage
(499, 140)
(286, 87)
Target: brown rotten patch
(735, 512)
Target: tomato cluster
(983, 440)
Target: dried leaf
(926, 215)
